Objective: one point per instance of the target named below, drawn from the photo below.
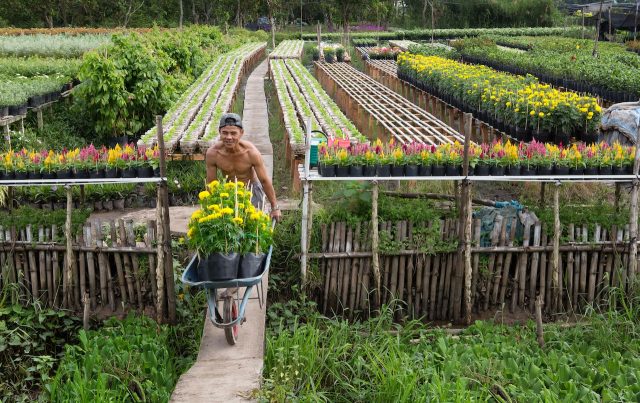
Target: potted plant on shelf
(343, 160)
(114, 162)
(605, 166)
(128, 159)
(576, 162)
(426, 161)
(383, 167)
(398, 161)
(329, 55)
(592, 160)
(49, 166)
(369, 163)
(8, 160)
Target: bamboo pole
(160, 311)
(555, 262)
(375, 241)
(539, 331)
(633, 219)
(119, 270)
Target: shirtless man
(240, 159)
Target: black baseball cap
(230, 119)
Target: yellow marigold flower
(203, 195)
(196, 214)
(229, 185)
(227, 211)
(240, 184)
(214, 207)
(541, 114)
(214, 184)
(224, 195)
(190, 232)
(240, 205)
(532, 113)
(254, 216)
(238, 220)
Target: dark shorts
(258, 195)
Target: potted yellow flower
(225, 228)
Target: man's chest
(238, 166)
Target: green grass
(318, 359)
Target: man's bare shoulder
(213, 150)
(251, 149)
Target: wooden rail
(378, 111)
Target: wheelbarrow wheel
(230, 313)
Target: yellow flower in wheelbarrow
(203, 195)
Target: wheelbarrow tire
(230, 313)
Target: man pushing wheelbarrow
(231, 232)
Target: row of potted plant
(565, 62)
(80, 163)
(334, 121)
(288, 49)
(48, 44)
(497, 158)
(516, 104)
(383, 52)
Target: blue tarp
(508, 210)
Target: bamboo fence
(509, 274)
(109, 268)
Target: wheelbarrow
(232, 314)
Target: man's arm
(263, 177)
(212, 169)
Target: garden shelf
(62, 182)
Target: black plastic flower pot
(411, 170)
(9, 175)
(145, 172)
(513, 170)
(14, 110)
(251, 265)
(424, 170)
(97, 173)
(618, 170)
(397, 170)
(496, 170)
(438, 170)
(481, 170)
(527, 171)
(560, 170)
(369, 170)
(21, 176)
(383, 170)
(113, 173)
(591, 171)
(4, 111)
(342, 170)
(576, 171)
(219, 267)
(329, 170)
(35, 175)
(49, 175)
(22, 109)
(545, 171)
(156, 172)
(81, 174)
(129, 172)
(453, 170)
(65, 174)
(355, 170)
(605, 170)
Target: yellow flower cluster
(516, 99)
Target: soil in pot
(251, 265)
(453, 170)
(112, 173)
(558, 170)
(81, 174)
(355, 170)
(219, 267)
(411, 170)
(342, 170)
(591, 171)
(397, 170)
(576, 171)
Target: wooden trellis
(368, 102)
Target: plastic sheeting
(620, 123)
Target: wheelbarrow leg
(230, 313)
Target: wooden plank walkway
(225, 373)
(365, 100)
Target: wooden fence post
(70, 259)
(160, 227)
(375, 259)
(556, 294)
(633, 220)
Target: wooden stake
(555, 261)
(539, 331)
(633, 219)
(160, 312)
(374, 242)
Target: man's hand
(276, 214)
